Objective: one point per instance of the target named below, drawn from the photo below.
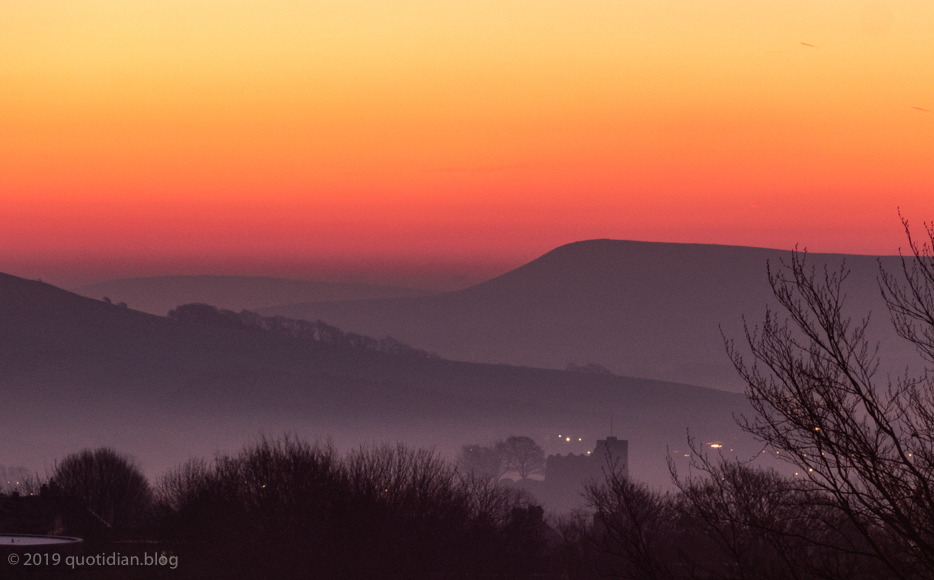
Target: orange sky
(293, 137)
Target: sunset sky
(365, 138)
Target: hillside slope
(77, 372)
(641, 309)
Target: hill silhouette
(158, 295)
(77, 372)
(637, 308)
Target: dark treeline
(731, 522)
(285, 508)
(317, 331)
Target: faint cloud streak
(490, 169)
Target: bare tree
(754, 523)
(485, 461)
(866, 446)
(107, 483)
(725, 520)
(636, 528)
(522, 455)
(911, 305)
(380, 512)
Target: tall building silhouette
(571, 472)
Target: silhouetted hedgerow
(590, 368)
(317, 331)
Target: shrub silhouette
(727, 520)
(486, 461)
(108, 484)
(287, 509)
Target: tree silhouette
(637, 528)
(485, 461)
(865, 446)
(522, 455)
(287, 509)
(107, 483)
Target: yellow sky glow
(755, 123)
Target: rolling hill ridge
(653, 310)
(78, 372)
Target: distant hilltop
(79, 371)
(647, 309)
(158, 295)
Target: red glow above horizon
(173, 136)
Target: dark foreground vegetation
(288, 509)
